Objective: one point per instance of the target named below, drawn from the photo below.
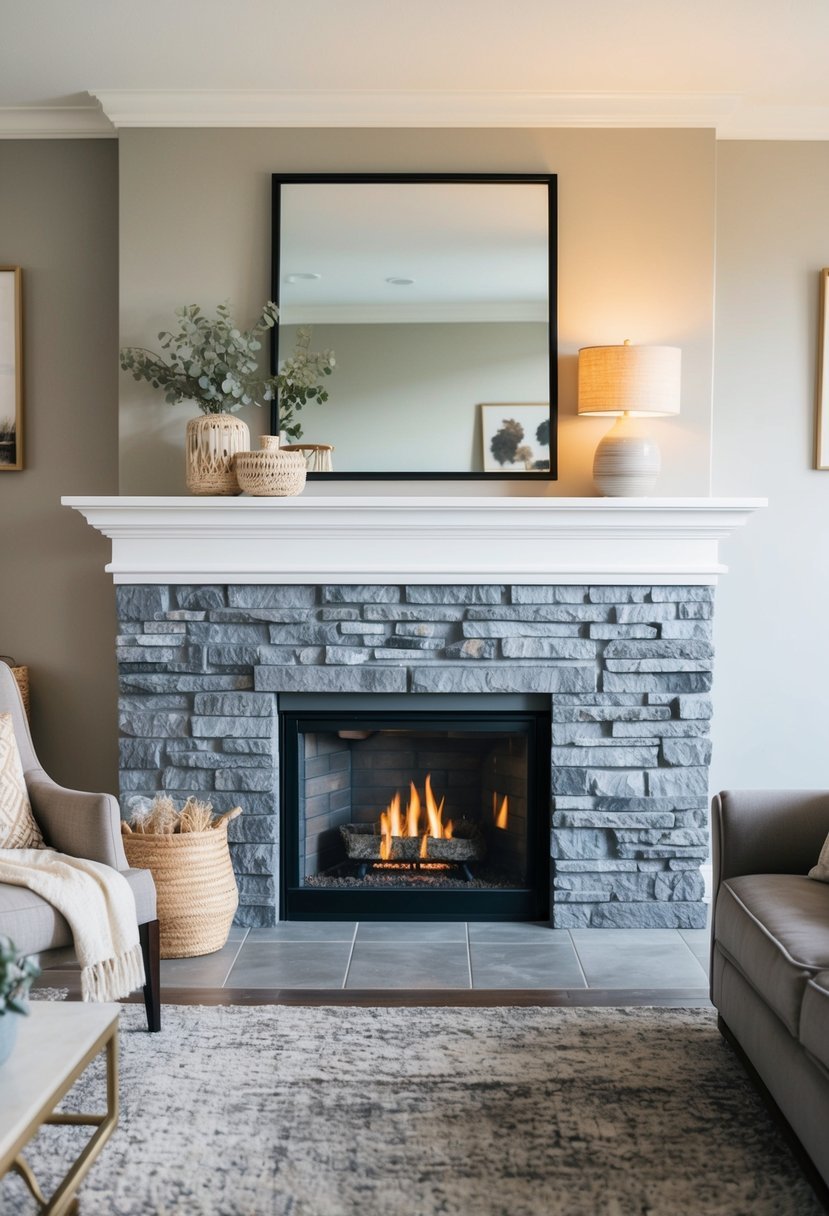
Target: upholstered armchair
(82, 825)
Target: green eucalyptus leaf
(213, 362)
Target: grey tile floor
(447, 955)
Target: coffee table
(55, 1044)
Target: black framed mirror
(436, 296)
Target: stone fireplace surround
(604, 606)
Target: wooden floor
(677, 998)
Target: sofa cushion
(814, 1018)
(775, 930)
(34, 925)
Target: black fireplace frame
(530, 903)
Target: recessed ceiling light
(302, 276)
(399, 281)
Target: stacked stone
(627, 670)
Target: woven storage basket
(195, 885)
(273, 472)
(21, 675)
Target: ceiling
(748, 68)
(388, 252)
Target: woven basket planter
(211, 442)
(274, 472)
(21, 675)
(195, 885)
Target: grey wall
(636, 260)
(772, 240)
(58, 220)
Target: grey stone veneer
(627, 670)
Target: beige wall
(772, 240)
(58, 220)
(636, 260)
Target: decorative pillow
(18, 829)
(821, 870)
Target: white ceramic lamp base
(627, 461)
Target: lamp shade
(629, 379)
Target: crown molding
(427, 312)
(371, 108)
(55, 122)
(731, 116)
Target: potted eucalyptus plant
(213, 363)
(16, 975)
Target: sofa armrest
(767, 831)
(77, 823)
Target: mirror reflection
(434, 297)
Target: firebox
(399, 808)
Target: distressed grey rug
(281, 1111)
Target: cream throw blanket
(100, 908)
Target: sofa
(770, 950)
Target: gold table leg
(63, 1202)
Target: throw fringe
(113, 978)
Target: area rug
(286, 1111)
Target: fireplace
(402, 807)
(600, 608)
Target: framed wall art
(516, 438)
(11, 369)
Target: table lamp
(631, 381)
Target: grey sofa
(82, 825)
(770, 950)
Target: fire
(393, 822)
(500, 815)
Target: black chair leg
(152, 973)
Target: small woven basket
(273, 472)
(195, 885)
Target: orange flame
(433, 811)
(395, 818)
(413, 812)
(500, 814)
(393, 822)
(385, 834)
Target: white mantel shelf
(396, 539)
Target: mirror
(436, 296)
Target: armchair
(82, 825)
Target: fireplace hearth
(414, 812)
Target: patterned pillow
(18, 829)
(821, 870)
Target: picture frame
(822, 405)
(11, 369)
(512, 436)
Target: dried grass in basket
(195, 885)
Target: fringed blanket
(100, 908)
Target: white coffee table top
(52, 1043)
